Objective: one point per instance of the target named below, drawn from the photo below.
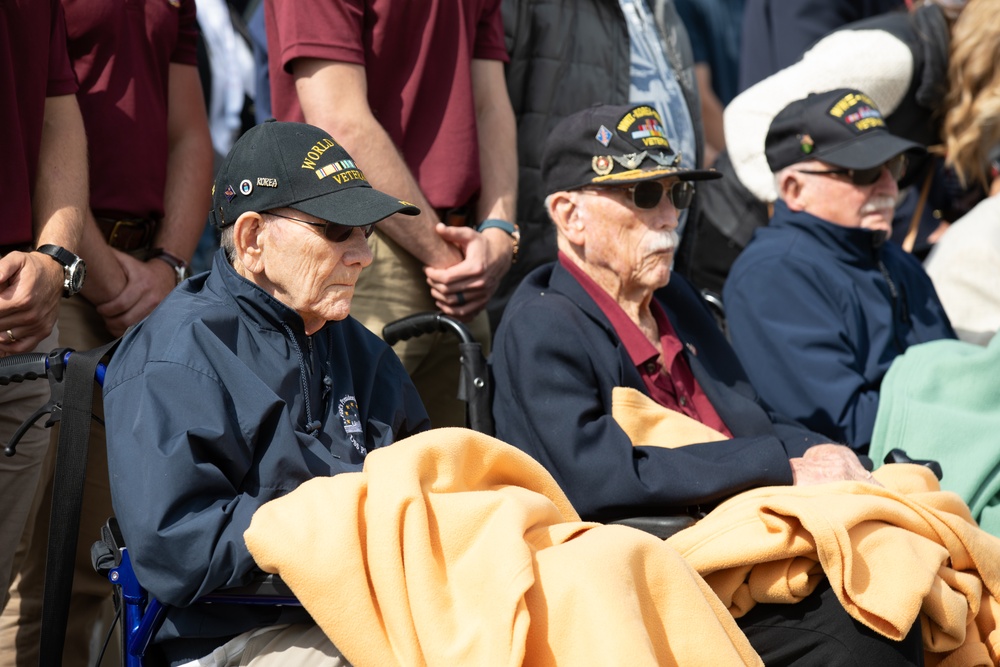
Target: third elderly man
(819, 304)
(611, 314)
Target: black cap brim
(355, 207)
(867, 151)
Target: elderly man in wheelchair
(260, 349)
(609, 323)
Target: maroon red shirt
(417, 56)
(122, 51)
(34, 64)
(668, 378)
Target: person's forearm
(61, 186)
(379, 159)
(187, 194)
(334, 97)
(497, 131)
(105, 277)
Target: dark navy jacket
(217, 403)
(817, 313)
(556, 360)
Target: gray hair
(228, 242)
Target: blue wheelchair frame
(142, 615)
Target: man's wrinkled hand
(829, 463)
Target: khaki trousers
(19, 474)
(91, 609)
(393, 287)
(300, 644)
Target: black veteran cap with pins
(275, 165)
(841, 127)
(610, 145)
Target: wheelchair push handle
(33, 366)
(22, 367)
(425, 323)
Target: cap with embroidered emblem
(610, 145)
(842, 127)
(277, 164)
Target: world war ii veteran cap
(841, 127)
(610, 145)
(274, 165)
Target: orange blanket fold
(893, 555)
(453, 548)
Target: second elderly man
(610, 314)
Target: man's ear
(790, 190)
(248, 239)
(565, 214)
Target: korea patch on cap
(295, 165)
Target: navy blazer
(556, 359)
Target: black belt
(128, 234)
(460, 216)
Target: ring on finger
(459, 298)
(10, 336)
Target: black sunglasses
(896, 167)
(647, 194)
(331, 230)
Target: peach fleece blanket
(893, 555)
(453, 548)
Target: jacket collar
(254, 303)
(847, 244)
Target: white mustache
(879, 203)
(664, 242)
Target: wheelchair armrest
(660, 526)
(263, 589)
(899, 456)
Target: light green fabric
(941, 401)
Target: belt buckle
(113, 236)
(129, 229)
(455, 217)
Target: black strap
(67, 498)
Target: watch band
(74, 268)
(510, 228)
(181, 269)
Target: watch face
(77, 274)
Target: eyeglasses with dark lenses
(331, 230)
(647, 194)
(896, 167)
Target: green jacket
(941, 400)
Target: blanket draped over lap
(892, 555)
(453, 548)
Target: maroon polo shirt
(417, 56)
(122, 51)
(668, 378)
(33, 65)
